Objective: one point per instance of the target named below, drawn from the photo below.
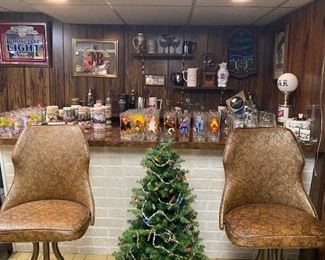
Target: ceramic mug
(152, 46)
(155, 103)
(189, 47)
(177, 78)
(191, 78)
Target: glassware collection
(97, 117)
(143, 123)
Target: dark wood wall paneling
(26, 86)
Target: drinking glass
(184, 123)
(170, 121)
(313, 113)
(199, 126)
(213, 127)
(266, 119)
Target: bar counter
(114, 172)
(111, 138)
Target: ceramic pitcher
(191, 78)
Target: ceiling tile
(154, 14)
(81, 14)
(296, 3)
(151, 2)
(3, 10)
(253, 3)
(274, 15)
(226, 15)
(16, 6)
(68, 2)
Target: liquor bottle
(222, 103)
(108, 111)
(132, 99)
(90, 99)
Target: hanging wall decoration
(279, 55)
(95, 58)
(242, 57)
(24, 44)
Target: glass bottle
(132, 99)
(90, 100)
(250, 113)
(108, 111)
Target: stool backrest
(51, 162)
(263, 165)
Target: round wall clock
(208, 62)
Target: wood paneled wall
(25, 86)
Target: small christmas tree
(165, 226)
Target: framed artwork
(242, 55)
(279, 55)
(95, 58)
(154, 80)
(24, 44)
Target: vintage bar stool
(50, 199)
(264, 205)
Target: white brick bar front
(115, 171)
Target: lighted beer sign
(24, 44)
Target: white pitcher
(191, 78)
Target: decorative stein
(69, 114)
(98, 119)
(223, 75)
(139, 43)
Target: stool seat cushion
(273, 226)
(44, 220)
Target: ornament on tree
(163, 212)
(170, 163)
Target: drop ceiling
(155, 12)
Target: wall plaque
(24, 44)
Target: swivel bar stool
(50, 199)
(264, 205)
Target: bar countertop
(112, 138)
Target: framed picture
(95, 58)
(242, 55)
(155, 80)
(24, 44)
(279, 55)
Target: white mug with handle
(191, 78)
